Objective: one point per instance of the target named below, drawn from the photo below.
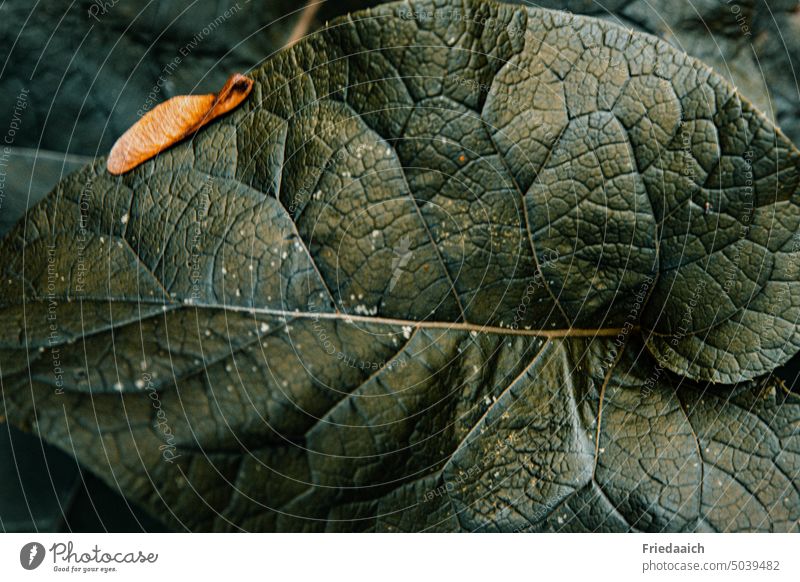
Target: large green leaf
(451, 266)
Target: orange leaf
(174, 120)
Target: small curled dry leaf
(172, 121)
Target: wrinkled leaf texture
(452, 266)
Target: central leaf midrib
(388, 321)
